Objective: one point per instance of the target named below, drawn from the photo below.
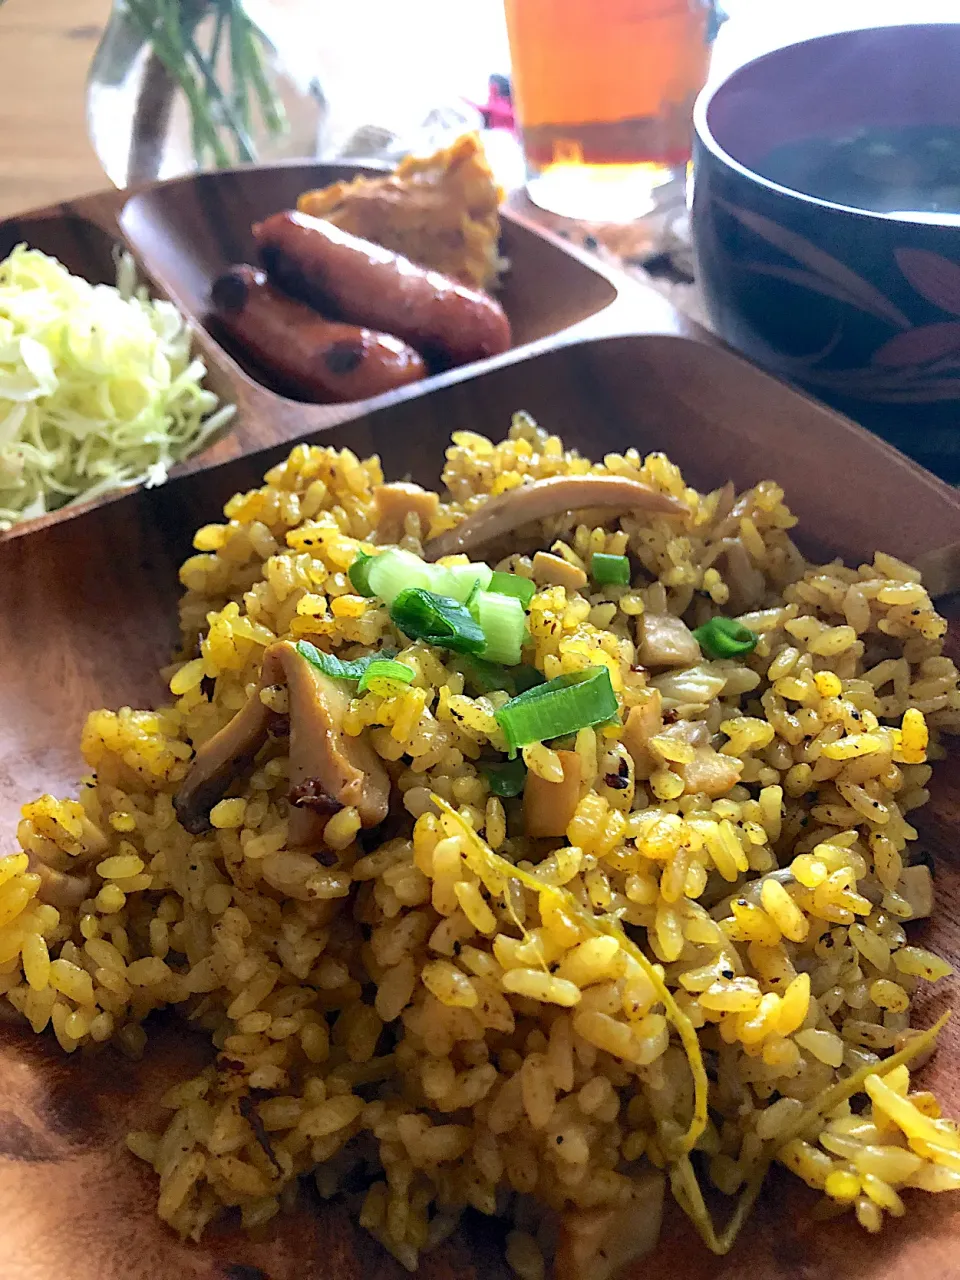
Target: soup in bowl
(827, 225)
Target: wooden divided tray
(88, 611)
(183, 233)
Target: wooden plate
(88, 612)
(189, 230)
(185, 231)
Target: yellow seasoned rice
(698, 977)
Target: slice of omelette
(440, 211)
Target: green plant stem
(199, 147)
(238, 70)
(170, 27)
(162, 75)
(165, 39)
(236, 126)
(222, 15)
(151, 119)
(271, 107)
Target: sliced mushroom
(916, 885)
(665, 641)
(554, 571)
(747, 584)
(394, 502)
(324, 761)
(220, 761)
(643, 722)
(709, 773)
(549, 806)
(693, 733)
(598, 1244)
(691, 686)
(64, 890)
(66, 886)
(550, 497)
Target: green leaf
(439, 620)
(506, 780)
(725, 638)
(562, 706)
(336, 668)
(384, 669)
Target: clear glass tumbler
(604, 93)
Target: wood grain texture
(87, 613)
(45, 49)
(75, 1205)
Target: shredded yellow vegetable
(495, 871)
(844, 1089)
(683, 1179)
(481, 859)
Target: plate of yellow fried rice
(537, 846)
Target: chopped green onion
(397, 569)
(525, 678)
(725, 638)
(336, 668)
(359, 574)
(561, 706)
(461, 580)
(503, 621)
(386, 670)
(488, 677)
(471, 598)
(439, 620)
(506, 780)
(330, 664)
(394, 571)
(511, 584)
(611, 571)
(484, 677)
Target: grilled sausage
(362, 282)
(312, 357)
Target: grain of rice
(541, 986)
(509, 1042)
(784, 912)
(450, 986)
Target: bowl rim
(705, 135)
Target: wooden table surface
(45, 50)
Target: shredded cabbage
(98, 389)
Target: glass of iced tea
(604, 93)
